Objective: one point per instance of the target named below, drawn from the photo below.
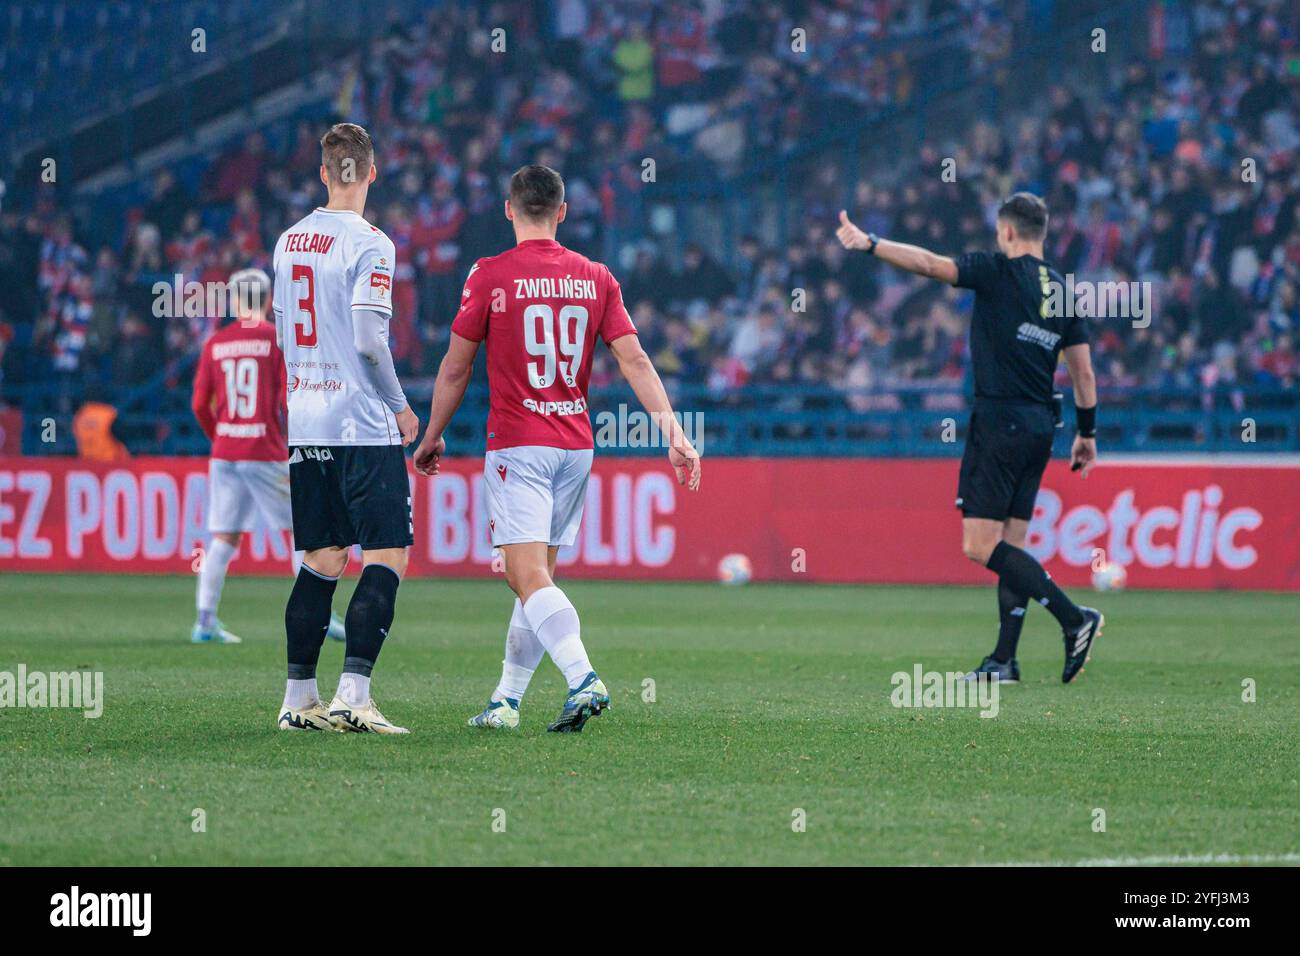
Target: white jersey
(327, 264)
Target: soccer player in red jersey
(540, 308)
(238, 398)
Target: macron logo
(501, 470)
(103, 909)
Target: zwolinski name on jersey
(555, 288)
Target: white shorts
(536, 494)
(239, 490)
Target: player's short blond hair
(250, 291)
(347, 153)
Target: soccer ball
(1111, 577)
(735, 569)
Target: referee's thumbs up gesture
(850, 236)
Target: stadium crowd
(1182, 172)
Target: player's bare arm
(640, 373)
(910, 258)
(1083, 454)
(448, 391)
(370, 337)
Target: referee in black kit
(1015, 343)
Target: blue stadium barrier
(767, 420)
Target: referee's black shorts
(350, 494)
(1008, 446)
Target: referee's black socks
(306, 619)
(370, 615)
(1023, 575)
(1011, 620)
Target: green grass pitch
(768, 699)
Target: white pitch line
(1201, 858)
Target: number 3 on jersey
(543, 339)
(304, 323)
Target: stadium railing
(758, 420)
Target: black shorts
(1007, 451)
(350, 494)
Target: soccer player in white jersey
(348, 423)
(238, 399)
(540, 308)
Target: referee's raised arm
(923, 262)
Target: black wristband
(1086, 421)
(875, 241)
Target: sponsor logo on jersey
(233, 430)
(1028, 332)
(300, 384)
(382, 282)
(576, 407)
(306, 451)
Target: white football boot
(362, 719)
(314, 716)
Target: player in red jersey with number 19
(239, 402)
(540, 308)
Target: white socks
(523, 653)
(212, 575)
(354, 689)
(300, 693)
(555, 622)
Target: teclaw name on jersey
(308, 242)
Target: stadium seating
(737, 216)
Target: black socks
(1019, 571)
(370, 615)
(1011, 619)
(306, 619)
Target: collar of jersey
(538, 243)
(348, 212)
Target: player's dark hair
(1027, 213)
(347, 153)
(536, 192)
